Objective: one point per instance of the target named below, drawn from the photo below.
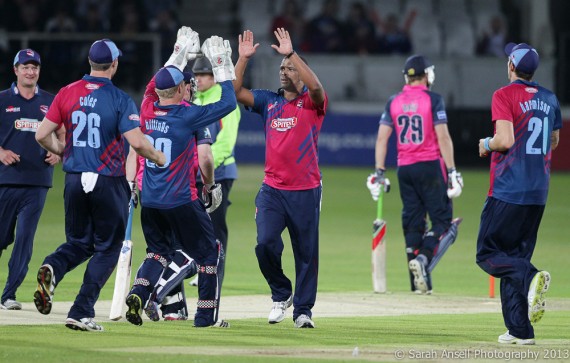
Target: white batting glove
(212, 196)
(455, 183)
(218, 52)
(186, 40)
(377, 183)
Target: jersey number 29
(161, 144)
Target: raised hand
(186, 40)
(246, 47)
(218, 52)
(285, 45)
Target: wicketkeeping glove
(187, 43)
(219, 53)
(134, 195)
(454, 183)
(377, 183)
(212, 196)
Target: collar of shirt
(408, 87)
(89, 78)
(16, 91)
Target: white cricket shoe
(84, 324)
(277, 313)
(11, 304)
(303, 321)
(509, 339)
(536, 296)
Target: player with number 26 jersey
(535, 113)
(81, 107)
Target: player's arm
(51, 158)
(47, 138)
(246, 50)
(143, 147)
(309, 78)
(206, 164)
(503, 139)
(381, 150)
(226, 138)
(554, 139)
(445, 145)
(131, 165)
(8, 157)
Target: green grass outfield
(346, 225)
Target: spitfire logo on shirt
(283, 124)
(27, 124)
(12, 109)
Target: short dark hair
(99, 66)
(523, 75)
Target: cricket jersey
(521, 175)
(292, 131)
(171, 129)
(412, 114)
(93, 112)
(19, 120)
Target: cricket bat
(379, 249)
(123, 275)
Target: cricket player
(290, 196)
(26, 169)
(425, 166)
(96, 115)
(173, 305)
(171, 210)
(527, 122)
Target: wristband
(486, 144)
(290, 54)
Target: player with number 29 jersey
(535, 113)
(81, 107)
(412, 114)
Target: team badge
(44, 109)
(300, 104)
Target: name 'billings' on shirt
(156, 125)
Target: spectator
(393, 38)
(492, 41)
(92, 21)
(292, 19)
(359, 30)
(324, 32)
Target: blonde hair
(167, 93)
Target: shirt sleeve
(54, 112)
(203, 136)
(438, 108)
(386, 118)
(128, 115)
(500, 107)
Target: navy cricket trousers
(506, 241)
(20, 211)
(299, 212)
(95, 224)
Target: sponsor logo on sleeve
(271, 106)
(283, 124)
(27, 124)
(441, 115)
(134, 117)
(12, 109)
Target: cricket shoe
(151, 310)
(134, 312)
(418, 269)
(175, 316)
(11, 304)
(509, 339)
(43, 297)
(83, 324)
(277, 313)
(303, 321)
(536, 296)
